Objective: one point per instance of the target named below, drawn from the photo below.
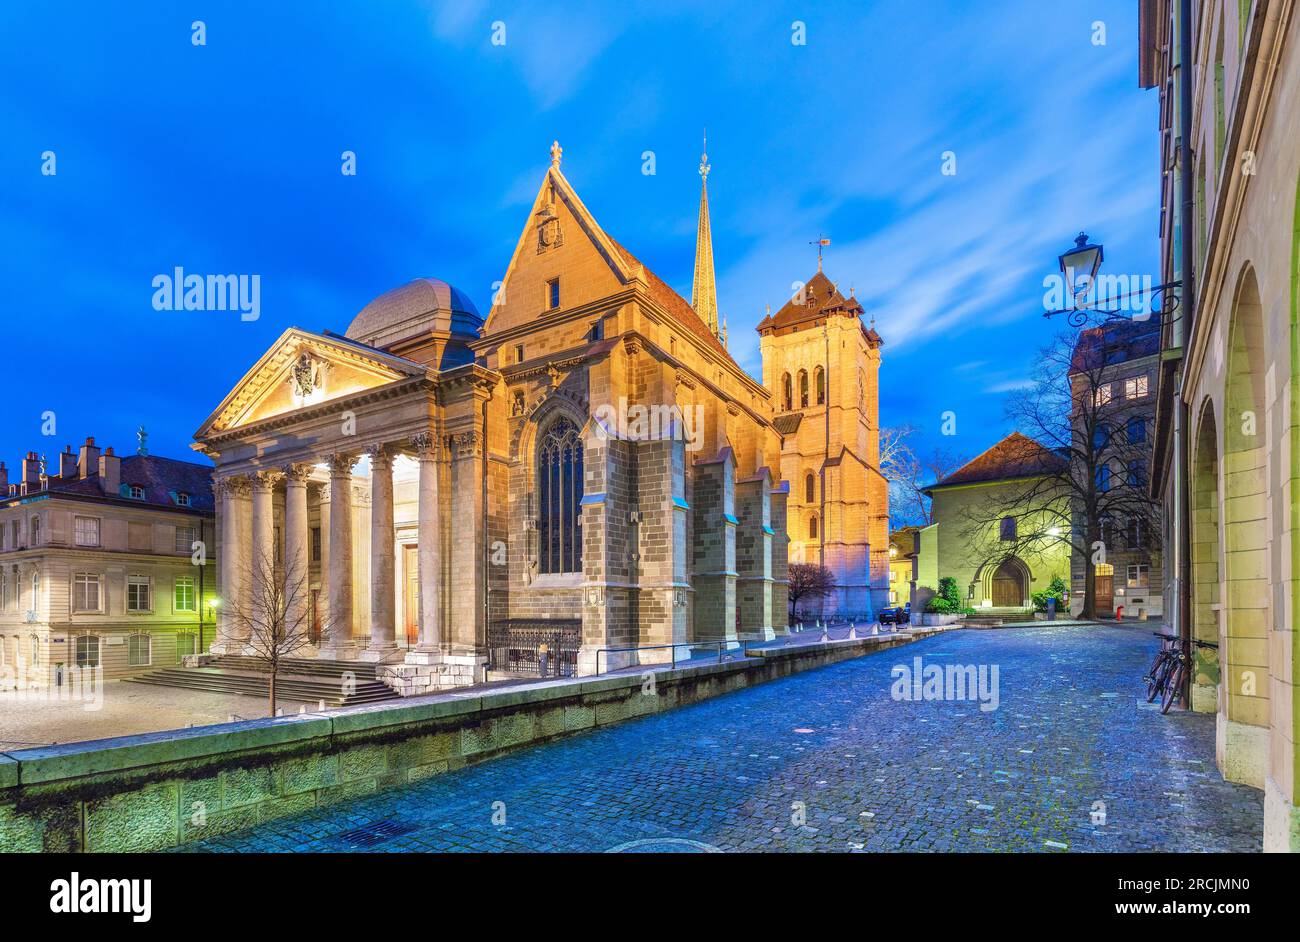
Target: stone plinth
(429, 672)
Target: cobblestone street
(829, 761)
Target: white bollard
(321, 706)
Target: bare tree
(1082, 469)
(909, 476)
(275, 622)
(811, 581)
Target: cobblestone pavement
(867, 772)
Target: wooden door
(1008, 587)
(411, 593)
(1105, 594)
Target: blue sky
(225, 158)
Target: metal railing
(720, 645)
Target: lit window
(137, 593)
(85, 531)
(184, 597)
(139, 650)
(1135, 388)
(1102, 395)
(87, 651)
(1138, 577)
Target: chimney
(88, 462)
(31, 469)
(110, 473)
(67, 463)
(4, 479)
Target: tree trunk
(271, 688)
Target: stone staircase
(307, 680)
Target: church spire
(704, 295)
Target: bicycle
(1168, 672)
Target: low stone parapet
(160, 790)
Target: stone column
(429, 648)
(262, 551)
(340, 645)
(230, 566)
(322, 599)
(297, 549)
(383, 624)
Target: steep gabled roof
(1016, 456)
(820, 298)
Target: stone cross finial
(142, 448)
(556, 151)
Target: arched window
(819, 384)
(87, 651)
(559, 494)
(809, 489)
(803, 389)
(787, 397)
(1008, 529)
(812, 527)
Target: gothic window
(809, 490)
(1008, 528)
(559, 493)
(820, 385)
(812, 527)
(803, 389)
(787, 397)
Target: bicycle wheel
(1159, 670)
(1173, 686)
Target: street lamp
(1084, 257)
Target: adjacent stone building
(584, 473)
(105, 562)
(999, 550)
(1228, 447)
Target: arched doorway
(1204, 492)
(1243, 733)
(1009, 588)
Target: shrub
(1056, 589)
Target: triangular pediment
(560, 236)
(302, 370)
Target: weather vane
(142, 448)
(704, 156)
(820, 243)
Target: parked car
(896, 615)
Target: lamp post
(1084, 257)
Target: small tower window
(820, 385)
(553, 293)
(812, 528)
(809, 489)
(803, 389)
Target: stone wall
(160, 790)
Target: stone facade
(1228, 446)
(98, 566)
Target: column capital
(466, 444)
(297, 473)
(381, 456)
(341, 463)
(265, 480)
(233, 485)
(426, 445)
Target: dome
(415, 309)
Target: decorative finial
(556, 151)
(704, 156)
(142, 448)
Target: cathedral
(451, 495)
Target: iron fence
(544, 647)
